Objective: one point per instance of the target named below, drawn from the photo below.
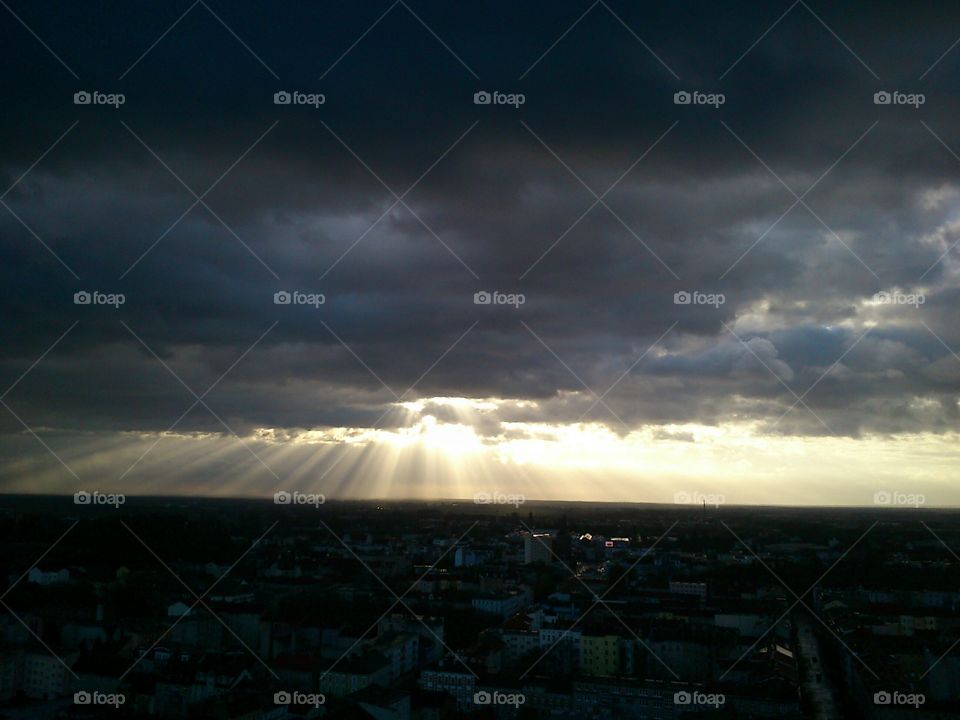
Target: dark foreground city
(303, 607)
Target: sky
(750, 297)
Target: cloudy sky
(750, 295)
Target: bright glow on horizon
(456, 447)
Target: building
(459, 684)
(697, 589)
(465, 557)
(429, 630)
(355, 673)
(537, 547)
(561, 647)
(11, 669)
(243, 618)
(44, 676)
(518, 644)
(178, 609)
(600, 655)
(501, 604)
(402, 650)
(48, 577)
(599, 698)
(678, 651)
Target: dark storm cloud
(498, 205)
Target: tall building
(564, 545)
(537, 547)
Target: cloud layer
(599, 199)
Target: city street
(814, 685)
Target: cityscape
(183, 608)
(431, 360)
